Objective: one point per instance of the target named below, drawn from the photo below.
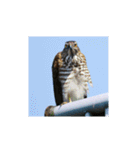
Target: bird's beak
(70, 50)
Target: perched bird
(70, 74)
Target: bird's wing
(87, 74)
(56, 83)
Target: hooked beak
(70, 51)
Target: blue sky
(42, 51)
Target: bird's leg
(69, 98)
(64, 103)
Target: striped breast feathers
(84, 69)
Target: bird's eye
(65, 46)
(75, 45)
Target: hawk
(70, 74)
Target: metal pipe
(106, 112)
(95, 104)
(88, 114)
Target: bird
(70, 74)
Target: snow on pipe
(95, 104)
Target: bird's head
(69, 53)
(71, 48)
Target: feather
(56, 83)
(70, 76)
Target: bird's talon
(64, 103)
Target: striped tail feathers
(90, 81)
(91, 84)
(87, 74)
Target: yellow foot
(64, 103)
(69, 99)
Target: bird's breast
(65, 74)
(73, 82)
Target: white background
(117, 19)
